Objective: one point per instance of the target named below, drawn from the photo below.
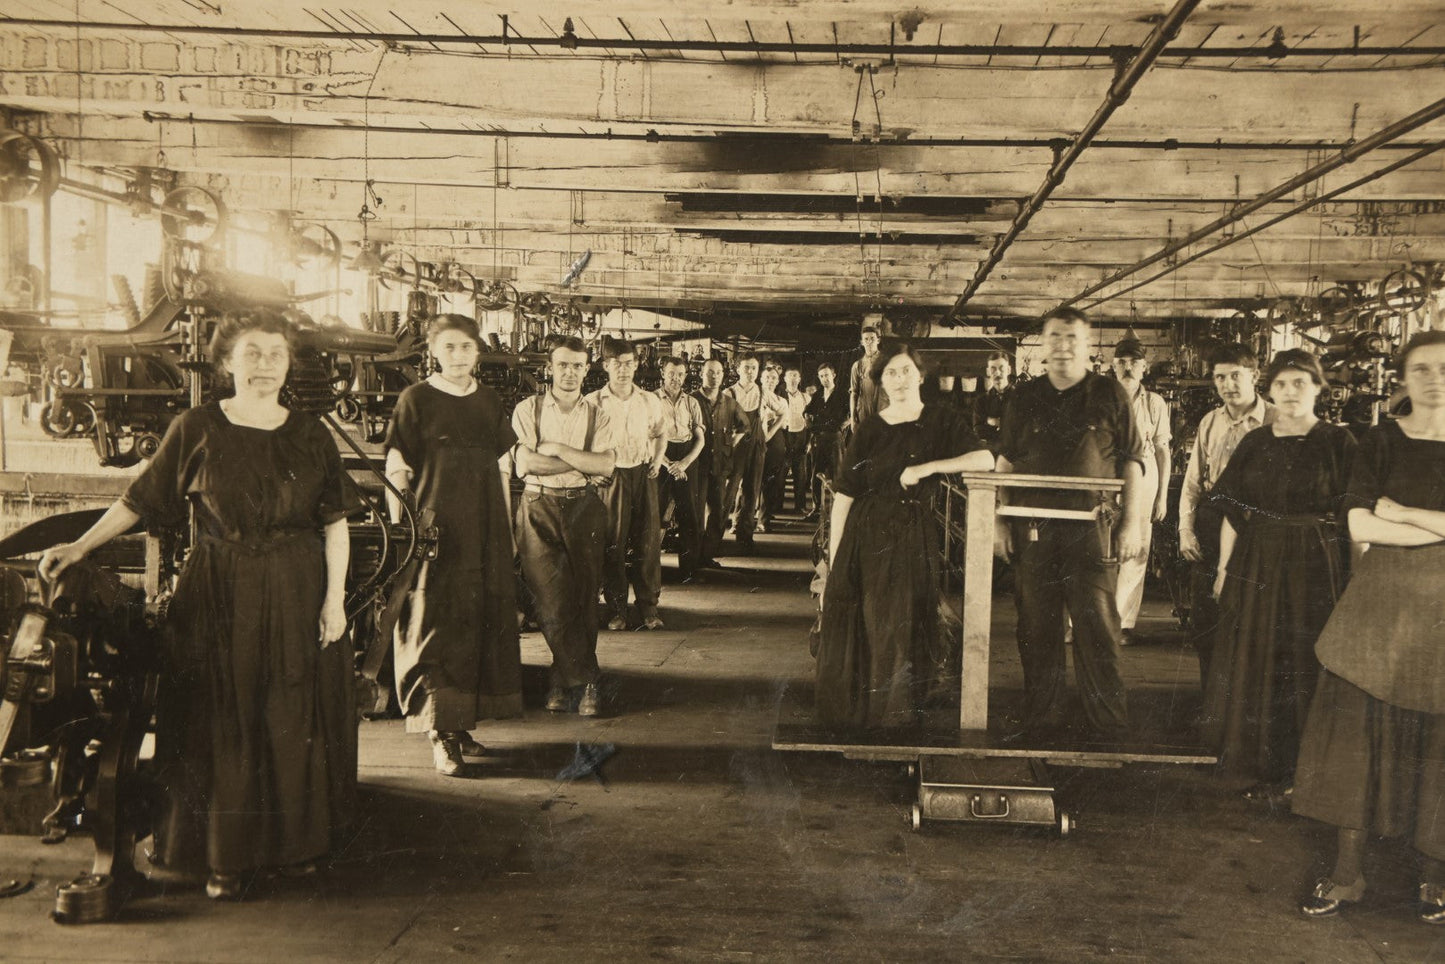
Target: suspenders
(591, 420)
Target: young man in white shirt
(795, 434)
(1235, 371)
(685, 432)
(634, 532)
(1151, 416)
(746, 479)
(564, 444)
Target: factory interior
(904, 336)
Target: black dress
(1373, 753)
(880, 637)
(467, 663)
(255, 723)
(1281, 494)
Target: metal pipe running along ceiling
(1299, 208)
(1347, 156)
(1276, 50)
(1119, 92)
(747, 137)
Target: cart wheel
(915, 818)
(1066, 823)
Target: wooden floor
(693, 840)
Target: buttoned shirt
(636, 424)
(566, 428)
(796, 420)
(747, 399)
(1084, 430)
(773, 408)
(1151, 416)
(1214, 443)
(680, 418)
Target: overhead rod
(1282, 216)
(1240, 211)
(1115, 52)
(656, 137)
(1124, 82)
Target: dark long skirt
(1284, 578)
(880, 636)
(1367, 765)
(256, 723)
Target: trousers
(682, 496)
(1066, 570)
(634, 540)
(561, 542)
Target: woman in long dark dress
(255, 721)
(1373, 755)
(1281, 568)
(444, 444)
(880, 633)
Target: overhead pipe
(1347, 155)
(1119, 92)
(656, 137)
(1283, 216)
(570, 41)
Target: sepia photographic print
(770, 480)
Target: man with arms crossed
(564, 442)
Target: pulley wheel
(27, 768)
(87, 899)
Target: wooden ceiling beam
(426, 15)
(342, 159)
(39, 70)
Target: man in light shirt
(746, 479)
(1235, 371)
(564, 444)
(685, 431)
(722, 424)
(864, 398)
(795, 434)
(634, 529)
(1151, 417)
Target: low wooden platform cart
(973, 775)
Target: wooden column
(977, 603)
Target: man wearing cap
(1151, 417)
(864, 398)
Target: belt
(561, 492)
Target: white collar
(435, 380)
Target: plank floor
(694, 840)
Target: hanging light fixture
(367, 259)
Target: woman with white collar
(445, 444)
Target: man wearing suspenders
(564, 443)
(1234, 370)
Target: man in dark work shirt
(1071, 422)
